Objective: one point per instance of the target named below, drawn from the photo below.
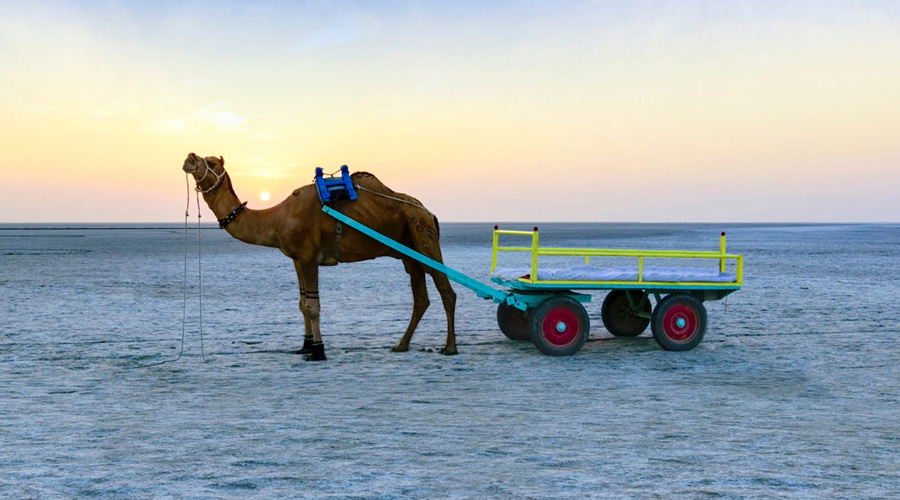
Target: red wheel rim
(561, 327)
(680, 323)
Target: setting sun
(264, 196)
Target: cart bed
(595, 273)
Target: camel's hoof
(307, 346)
(318, 352)
(400, 348)
(449, 351)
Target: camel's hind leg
(420, 301)
(425, 240)
(448, 297)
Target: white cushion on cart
(594, 273)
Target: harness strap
(338, 230)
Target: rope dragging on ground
(187, 213)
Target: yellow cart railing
(588, 253)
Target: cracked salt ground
(793, 394)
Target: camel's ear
(222, 161)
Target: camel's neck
(256, 227)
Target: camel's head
(207, 172)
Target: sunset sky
(538, 110)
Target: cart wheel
(679, 322)
(619, 317)
(559, 326)
(514, 323)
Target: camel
(298, 227)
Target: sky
(494, 111)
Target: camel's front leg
(308, 276)
(307, 328)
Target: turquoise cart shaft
(480, 289)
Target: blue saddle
(331, 188)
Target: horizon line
(150, 224)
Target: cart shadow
(610, 343)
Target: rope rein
(187, 213)
(200, 274)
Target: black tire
(559, 326)
(679, 322)
(514, 323)
(620, 318)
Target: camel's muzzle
(190, 164)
